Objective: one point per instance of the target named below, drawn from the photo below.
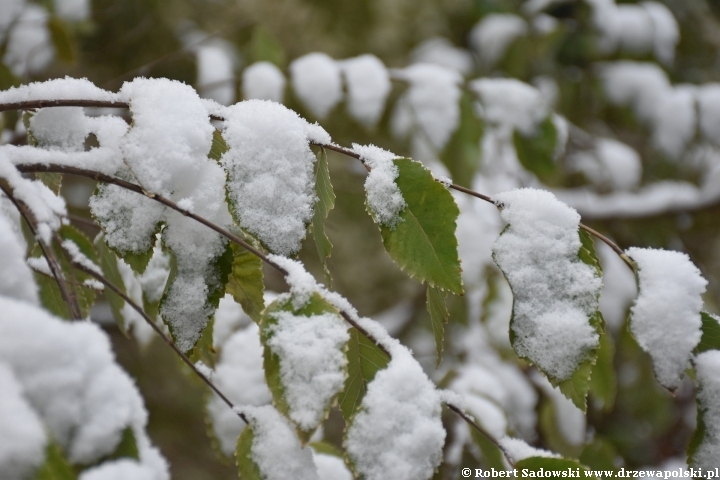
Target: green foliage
(109, 266)
(56, 466)
(204, 351)
(264, 47)
(700, 435)
(537, 152)
(51, 180)
(247, 469)
(62, 39)
(435, 299)
(325, 203)
(317, 305)
(245, 282)
(218, 147)
(710, 339)
(423, 243)
(462, 153)
(492, 456)
(603, 381)
(365, 359)
(127, 448)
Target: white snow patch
(440, 51)
(383, 195)
(517, 449)
(263, 81)
(317, 82)
(16, 280)
(493, 35)
(368, 85)
(707, 367)
(510, 103)
(216, 71)
(57, 89)
(330, 467)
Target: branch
(157, 330)
(480, 429)
(69, 298)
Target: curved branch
(480, 429)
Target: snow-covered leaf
(603, 381)
(108, 263)
(219, 147)
(710, 339)
(304, 359)
(438, 317)
(325, 202)
(423, 242)
(365, 359)
(245, 282)
(704, 447)
(247, 468)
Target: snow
(263, 81)
(22, 435)
(330, 467)
(78, 257)
(619, 289)
(17, 279)
(492, 36)
(621, 165)
(270, 173)
(274, 438)
(440, 51)
(216, 75)
(134, 322)
(72, 10)
(398, 432)
(57, 89)
(368, 86)
(155, 276)
(555, 292)
(383, 195)
(29, 48)
(666, 315)
(229, 317)
(708, 98)
(569, 419)
(70, 379)
(63, 128)
(312, 362)
(302, 284)
(666, 31)
(317, 83)
(240, 376)
(517, 449)
(119, 470)
(510, 103)
(433, 99)
(707, 366)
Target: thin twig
(157, 330)
(482, 431)
(69, 299)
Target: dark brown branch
(33, 104)
(69, 299)
(157, 330)
(482, 431)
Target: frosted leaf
(397, 432)
(22, 436)
(511, 103)
(383, 195)
(78, 257)
(317, 83)
(240, 376)
(666, 315)
(493, 35)
(312, 362)
(70, 379)
(330, 467)
(263, 81)
(16, 280)
(707, 367)
(517, 449)
(273, 439)
(57, 89)
(440, 51)
(270, 173)
(368, 85)
(63, 128)
(555, 293)
(433, 98)
(216, 75)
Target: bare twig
(482, 431)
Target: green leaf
(127, 448)
(423, 243)
(462, 154)
(109, 265)
(204, 351)
(51, 180)
(219, 147)
(325, 203)
(327, 449)
(710, 339)
(7, 79)
(601, 454)
(247, 468)
(603, 382)
(264, 47)
(85, 296)
(317, 305)
(56, 466)
(438, 317)
(245, 282)
(62, 39)
(365, 359)
(492, 456)
(534, 464)
(221, 268)
(537, 153)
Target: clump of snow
(72, 10)
(229, 317)
(555, 292)
(517, 449)
(273, 439)
(330, 467)
(70, 379)
(134, 322)
(398, 432)
(510, 103)
(312, 362)
(302, 284)
(707, 367)
(270, 173)
(666, 315)
(57, 89)
(619, 289)
(610, 163)
(708, 98)
(119, 470)
(263, 81)
(433, 99)
(17, 279)
(22, 435)
(383, 195)
(240, 376)
(216, 71)
(368, 85)
(493, 35)
(28, 45)
(155, 276)
(317, 82)
(78, 257)
(63, 128)
(440, 51)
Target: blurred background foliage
(120, 39)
